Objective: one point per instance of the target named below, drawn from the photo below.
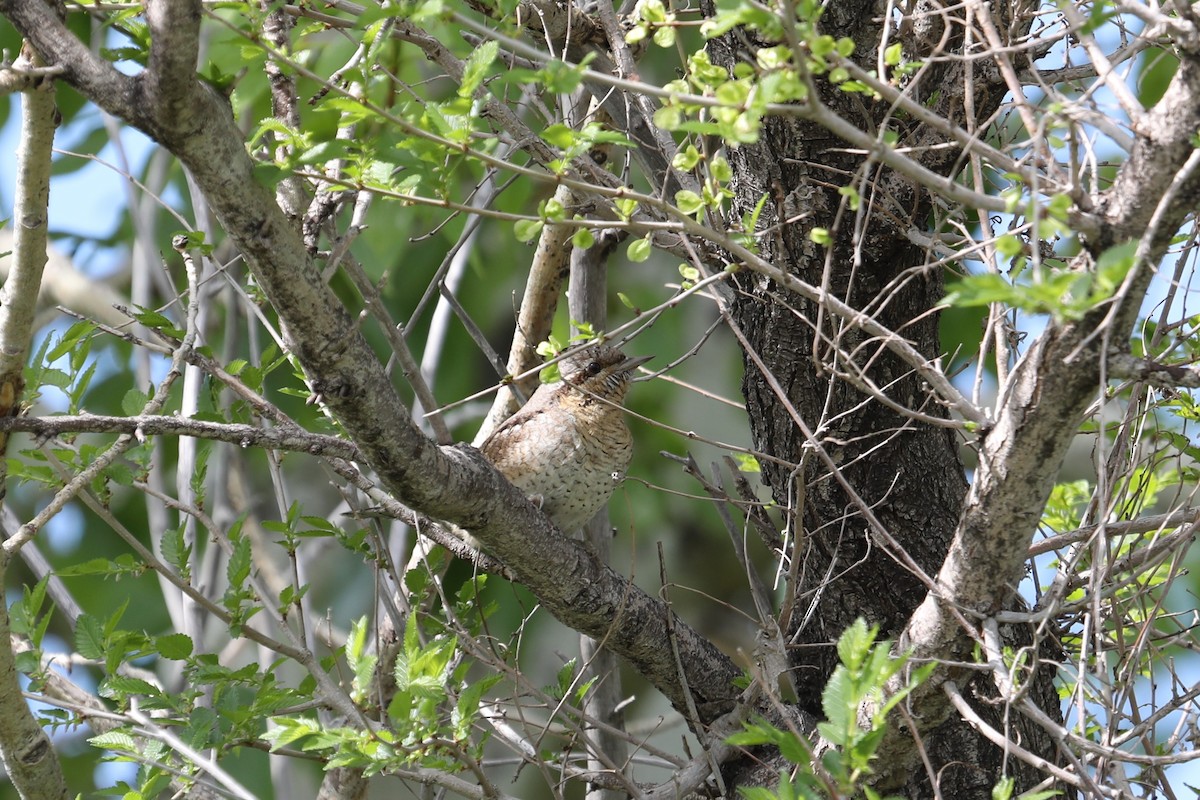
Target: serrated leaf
(840, 706)
(1113, 265)
(476, 67)
(94, 566)
(89, 637)
(155, 320)
(466, 709)
(114, 740)
(563, 678)
(175, 551)
(288, 730)
(405, 655)
(432, 660)
(854, 645)
(238, 569)
(356, 655)
(24, 613)
(123, 685)
(560, 136)
(174, 646)
(70, 339)
(202, 729)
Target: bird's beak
(630, 364)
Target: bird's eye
(593, 368)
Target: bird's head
(602, 371)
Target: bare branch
(283, 438)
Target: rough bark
(910, 475)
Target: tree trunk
(908, 474)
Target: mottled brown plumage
(569, 446)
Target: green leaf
(73, 336)
(466, 709)
(329, 150)
(583, 239)
(689, 202)
(114, 740)
(686, 159)
(851, 195)
(288, 730)
(979, 290)
(238, 569)
(1009, 245)
(119, 686)
(747, 463)
(639, 250)
(854, 645)
(24, 613)
(840, 705)
(1112, 266)
(560, 136)
(625, 206)
(175, 550)
(720, 170)
(89, 637)
(123, 564)
(527, 230)
(356, 654)
(564, 678)
(582, 691)
(476, 67)
(174, 646)
(406, 654)
(153, 319)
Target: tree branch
(170, 74)
(293, 439)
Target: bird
(569, 446)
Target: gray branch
(292, 439)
